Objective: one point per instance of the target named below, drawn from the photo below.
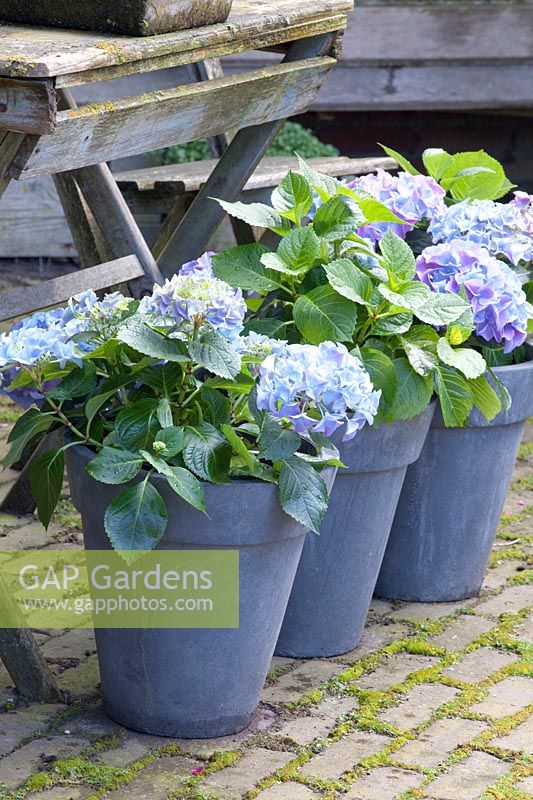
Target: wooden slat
(136, 125)
(190, 177)
(27, 299)
(9, 146)
(27, 106)
(35, 53)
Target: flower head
(317, 389)
(505, 229)
(412, 198)
(492, 288)
(202, 265)
(201, 300)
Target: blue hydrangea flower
(412, 198)
(202, 265)
(505, 229)
(201, 300)
(493, 290)
(317, 389)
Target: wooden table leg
(9, 145)
(228, 179)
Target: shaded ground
(436, 702)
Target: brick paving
(435, 704)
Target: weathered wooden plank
(259, 23)
(231, 173)
(9, 145)
(134, 18)
(429, 87)
(27, 299)
(191, 177)
(90, 244)
(27, 106)
(96, 134)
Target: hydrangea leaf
(325, 185)
(216, 406)
(187, 487)
(136, 520)
(293, 197)
(475, 175)
(382, 373)
(257, 214)
(241, 266)
(136, 427)
(337, 220)
(303, 493)
(436, 162)
(26, 429)
(296, 252)
(207, 453)
(115, 466)
(485, 398)
(324, 315)
(46, 481)
(163, 378)
(455, 397)
(349, 281)
(413, 392)
(215, 353)
(78, 383)
(469, 362)
(402, 161)
(412, 296)
(398, 257)
(164, 413)
(443, 309)
(172, 438)
(397, 321)
(138, 335)
(420, 345)
(276, 442)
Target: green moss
(66, 515)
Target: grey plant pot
(452, 501)
(338, 570)
(198, 683)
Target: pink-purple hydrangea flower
(200, 299)
(412, 198)
(493, 290)
(201, 266)
(505, 229)
(317, 389)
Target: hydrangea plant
(168, 386)
(346, 271)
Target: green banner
(98, 589)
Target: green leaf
(164, 413)
(173, 439)
(241, 267)
(485, 398)
(135, 427)
(271, 327)
(239, 447)
(207, 453)
(420, 345)
(26, 429)
(337, 220)
(349, 281)
(163, 378)
(215, 353)
(443, 309)
(325, 185)
(303, 493)
(382, 372)
(216, 406)
(403, 162)
(475, 175)
(293, 197)
(296, 252)
(467, 361)
(436, 162)
(373, 210)
(242, 383)
(187, 487)
(455, 397)
(257, 214)
(143, 339)
(94, 404)
(399, 258)
(136, 520)
(46, 481)
(114, 466)
(276, 442)
(324, 315)
(78, 383)
(392, 324)
(413, 392)
(159, 464)
(412, 296)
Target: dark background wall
(507, 138)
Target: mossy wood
(129, 17)
(102, 132)
(76, 57)
(27, 106)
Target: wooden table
(43, 132)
